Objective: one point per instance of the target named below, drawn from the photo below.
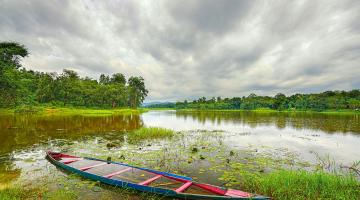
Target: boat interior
(143, 177)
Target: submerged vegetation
(19, 86)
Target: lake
(310, 136)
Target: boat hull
(143, 188)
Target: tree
(354, 103)
(45, 89)
(118, 78)
(280, 101)
(10, 54)
(137, 91)
(104, 79)
(68, 89)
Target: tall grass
(288, 184)
(145, 133)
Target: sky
(186, 49)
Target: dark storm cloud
(187, 49)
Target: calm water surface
(337, 136)
(24, 138)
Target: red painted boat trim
(147, 182)
(116, 173)
(184, 187)
(92, 166)
(211, 188)
(237, 193)
(70, 161)
(61, 155)
(173, 178)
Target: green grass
(18, 193)
(71, 111)
(145, 133)
(12, 193)
(86, 111)
(288, 184)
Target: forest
(19, 87)
(329, 100)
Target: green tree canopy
(10, 54)
(118, 78)
(22, 87)
(138, 92)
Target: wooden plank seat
(106, 169)
(147, 182)
(184, 187)
(84, 163)
(92, 166)
(133, 176)
(117, 172)
(167, 183)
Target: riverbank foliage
(286, 184)
(19, 86)
(51, 110)
(329, 100)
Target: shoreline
(51, 110)
(341, 112)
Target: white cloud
(187, 49)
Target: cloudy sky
(187, 49)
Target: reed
(289, 184)
(146, 133)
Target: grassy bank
(285, 184)
(301, 184)
(71, 111)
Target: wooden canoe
(142, 179)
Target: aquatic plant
(145, 133)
